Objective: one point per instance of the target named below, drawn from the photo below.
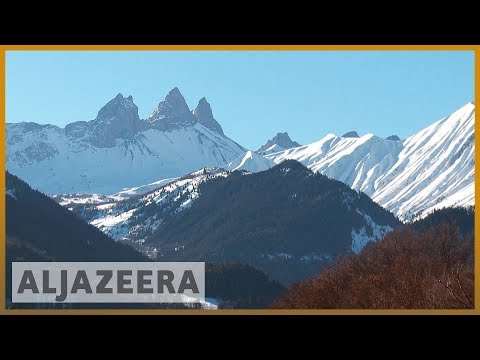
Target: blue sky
(254, 94)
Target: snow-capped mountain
(429, 170)
(279, 142)
(117, 149)
(117, 153)
(250, 161)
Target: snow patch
(360, 237)
(251, 161)
(11, 193)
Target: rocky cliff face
(118, 119)
(351, 134)
(117, 149)
(204, 115)
(171, 113)
(281, 139)
(393, 138)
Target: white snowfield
(54, 163)
(430, 170)
(250, 161)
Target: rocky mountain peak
(172, 113)
(117, 108)
(118, 119)
(281, 139)
(393, 138)
(174, 104)
(204, 115)
(350, 134)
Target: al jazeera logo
(105, 282)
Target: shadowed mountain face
(35, 219)
(286, 221)
(38, 229)
(393, 138)
(350, 134)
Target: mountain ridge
(119, 119)
(117, 149)
(429, 170)
(287, 217)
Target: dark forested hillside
(287, 221)
(240, 286)
(38, 229)
(464, 218)
(34, 218)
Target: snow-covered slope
(354, 161)
(117, 150)
(435, 168)
(272, 149)
(250, 161)
(429, 170)
(134, 213)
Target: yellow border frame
(3, 311)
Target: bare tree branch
(457, 276)
(450, 291)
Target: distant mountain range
(117, 149)
(429, 170)
(118, 152)
(175, 187)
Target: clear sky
(253, 94)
